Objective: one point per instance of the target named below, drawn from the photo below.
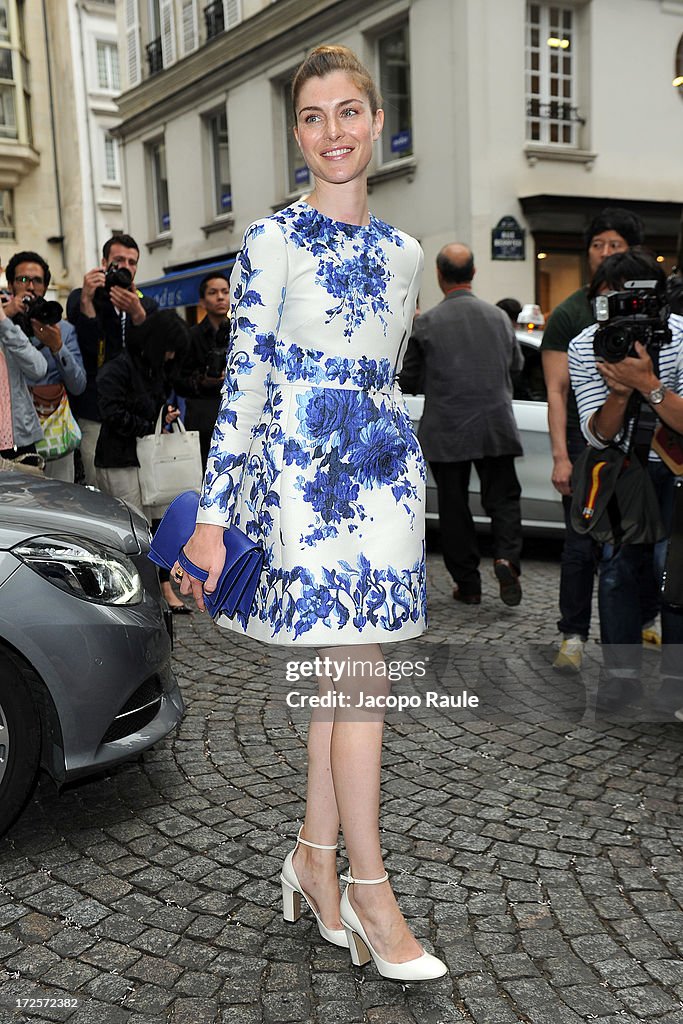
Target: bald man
(461, 355)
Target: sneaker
(570, 655)
(508, 578)
(652, 637)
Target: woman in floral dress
(314, 456)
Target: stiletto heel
(422, 968)
(292, 893)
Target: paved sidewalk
(537, 851)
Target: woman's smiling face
(335, 127)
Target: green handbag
(61, 432)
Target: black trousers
(500, 494)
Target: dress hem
(314, 638)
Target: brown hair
(323, 60)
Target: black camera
(639, 313)
(43, 310)
(118, 277)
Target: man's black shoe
(615, 692)
(465, 598)
(508, 578)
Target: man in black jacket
(201, 377)
(462, 354)
(103, 311)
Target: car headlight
(83, 568)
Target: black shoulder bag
(613, 498)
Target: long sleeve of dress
(258, 287)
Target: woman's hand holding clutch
(206, 550)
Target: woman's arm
(258, 286)
(258, 290)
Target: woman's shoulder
(401, 240)
(265, 228)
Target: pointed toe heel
(423, 968)
(292, 894)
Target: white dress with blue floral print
(313, 453)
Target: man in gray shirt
(462, 354)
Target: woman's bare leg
(317, 869)
(356, 754)
(344, 764)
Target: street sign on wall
(508, 240)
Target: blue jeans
(578, 563)
(619, 595)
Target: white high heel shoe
(422, 968)
(292, 893)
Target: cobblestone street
(534, 849)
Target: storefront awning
(181, 287)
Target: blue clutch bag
(234, 594)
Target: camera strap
(644, 420)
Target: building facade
(59, 187)
(509, 123)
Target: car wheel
(19, 741)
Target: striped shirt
(591, 390)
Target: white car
(541, 504)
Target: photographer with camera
(20, 363)
(201, 377)
(28, 276)
(626, 375)
(103, 311)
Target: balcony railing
(214, 16)
(555, 110)
(155, 61)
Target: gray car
(85, 644)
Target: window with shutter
(167, 33)
(190, 26)
(232, 10)
(132, 41)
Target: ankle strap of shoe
(315, 846)
(364, 881)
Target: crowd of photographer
(97, 381)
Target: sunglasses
(23, 279)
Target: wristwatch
(656, 395)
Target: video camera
(638, 313)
